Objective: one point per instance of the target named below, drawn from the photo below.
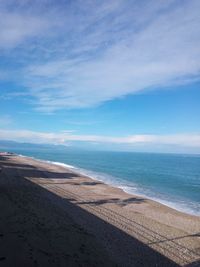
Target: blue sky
(117, 74)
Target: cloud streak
(18, 27)
(182, 140)
(103, 51)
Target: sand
(51, 216)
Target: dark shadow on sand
(40, 174)
(86, 183)
(118, 201)
(14, 165)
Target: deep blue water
(171, 179)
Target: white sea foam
(61, 164)
(22, 156)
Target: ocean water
(171, 179)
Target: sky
(111, 75)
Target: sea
(171, 179)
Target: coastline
(111, 181)
(166, 231)
(84, 174)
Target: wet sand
(51, 216)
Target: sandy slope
(52, 216)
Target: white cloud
(102, 51)
(182, 140)
(15, 28)
(158, 54)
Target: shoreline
(129, 228)
(86, 173)
(119, 190)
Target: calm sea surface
(171, 179)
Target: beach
(51, 215)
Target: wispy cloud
(19, 26)
(182, 140)
(103, 50)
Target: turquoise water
(171, 179)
